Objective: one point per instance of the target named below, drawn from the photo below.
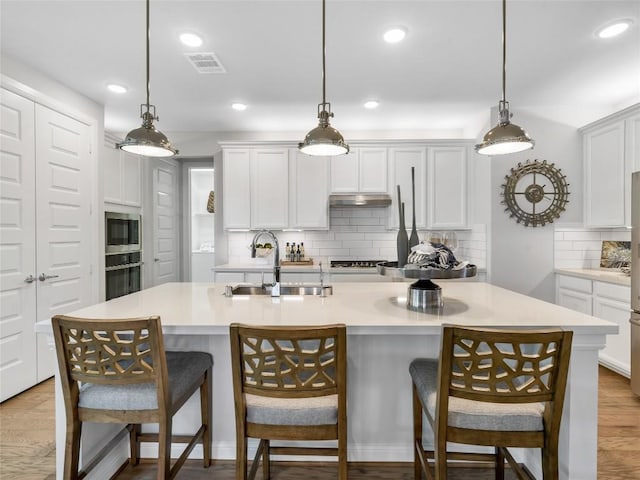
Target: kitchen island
(383, 337)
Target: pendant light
(505, 137)
(146, 140)
(324, 139)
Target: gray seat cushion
(184, 368)
(471, 414)
(292, 411)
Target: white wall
(522, 258)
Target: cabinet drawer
(615, 292)
(574, 283)
(578, 301)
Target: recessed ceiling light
(614, 29)
(395, 34)
(115, 88)
(238, 106)
(191, 39)
(371, 104)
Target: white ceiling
(444, 77)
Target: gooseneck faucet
(275, 288)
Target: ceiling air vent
(205, 62)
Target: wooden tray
(306, 261)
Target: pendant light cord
(324, 101)
(148, 35)
(504, 50)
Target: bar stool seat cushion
(472, 414)
(184, 370)
(292, 411)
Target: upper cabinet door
(269, 188)
(309, 191)
(400, 162)
(122, 176)
(372, 170)
(131, 179)
(362, 170)
(447, 187)
(236, 186)
(604, 168)
(632, 159)
(345, 172)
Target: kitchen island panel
(383, 337)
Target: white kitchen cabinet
(122, 175)
(362, 170)
(603, 300)
(269, 188)
(574, 293)
(447, 187)
(610, 152)
(236, 188)
(308, 191)
(255, 188)
(441, 173)
(612, 302)
(401, 159)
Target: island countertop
(366, 308)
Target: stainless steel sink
(284, 290)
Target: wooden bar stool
(289, 383)
(116, 371)
(491, 387)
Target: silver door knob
(44, 277)
(30, 279)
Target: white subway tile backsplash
(582, 235)
(581, 247)
(358, 233)
(349, 236)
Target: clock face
(535, 193)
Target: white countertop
(610, 275)
(366, 308)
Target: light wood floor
(27, 447)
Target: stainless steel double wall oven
(123, 254)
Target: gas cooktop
(355, 263)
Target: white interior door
(17, 245)
(63, 206)
(166, 266)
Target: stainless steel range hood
(360, 200)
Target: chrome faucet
(275, 287)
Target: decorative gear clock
(535, 193)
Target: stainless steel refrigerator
(635, 283)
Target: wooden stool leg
(241, 457)
(550, 462)
(205, 409)
(499, 464)
(164, 449)
(72, 447)
(441, 458)
(417, 434)
(266, 460)
(342, 455)
(134, 444)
